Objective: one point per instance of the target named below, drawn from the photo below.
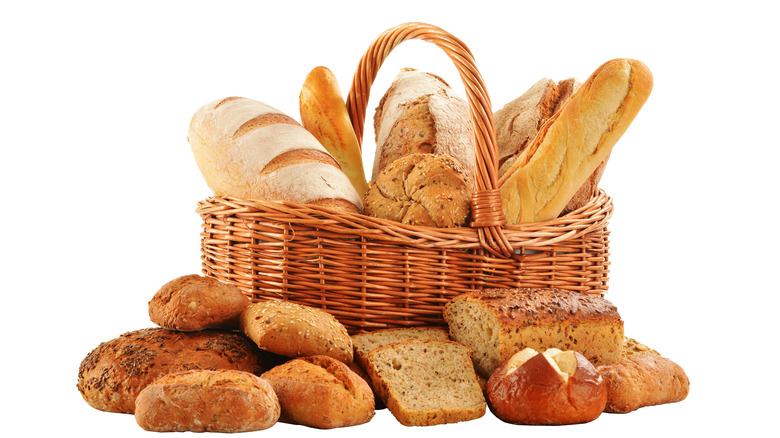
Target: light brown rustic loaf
(112, 375)
(643, 378)
(295, 330)
(420, 113)
(194, 302)
(321, 392)
(225, 401)
(574, 142)
(248, 149)
(425, 382)
(421, 189)
(497, 323)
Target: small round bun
(551, 388)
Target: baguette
(574, 142)
(324, 114)
(248, 149)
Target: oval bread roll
(247, 149)
(226, 401)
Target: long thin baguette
(574, 142)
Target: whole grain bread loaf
(112, 375)
(425, 382)
(497, 323)
(364, 343)
(225, 401)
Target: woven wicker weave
(374, 273)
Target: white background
(99, 187)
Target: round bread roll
(421, 189)
(553, 387)
(321, 392)
(193, 302)
(112, 375)
(248, 149)
(225, 401)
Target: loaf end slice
(425, 382)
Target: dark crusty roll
(112, 375)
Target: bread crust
(225, 401)
(321, 392)
(295, 330)
(112, 375)
(194, 302)
(643, 379)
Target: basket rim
(591, 216)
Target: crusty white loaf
(248, 149)
(497, 323)
(420, 113)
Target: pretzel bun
(554, 387)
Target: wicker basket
(374, 273)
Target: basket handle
(487, 213)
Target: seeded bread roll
(193, 302)
(248, 149)
(321, 392)
(420, 113)
(497, 323)
(113, 374)
(294, 330)
(424, 382)
(225, 401)
(421, 189)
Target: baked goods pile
(218, 362)
(532, 356)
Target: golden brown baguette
(420, 113)
(574, 141)
(225, 401)
(321, 392)
(248, 149)
(324, 114)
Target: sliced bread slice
(363, 343)
(425, 382)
